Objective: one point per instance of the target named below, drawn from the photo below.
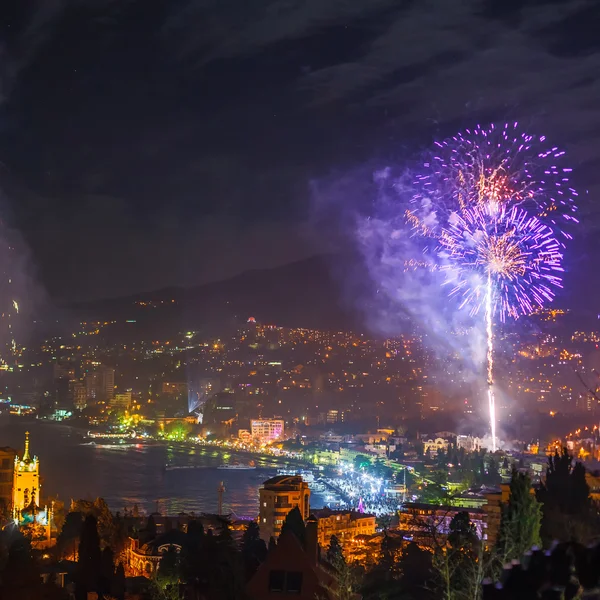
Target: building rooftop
(408, 506)
(323, 513)
(280, 481)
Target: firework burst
(492, 204)
(520, 254)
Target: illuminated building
(26, 481)
(121, 401)
(426, 521)
(345, 525)
(175, 388)
(432, 447)
(143, 559)
(79, 395)
(100, 383)
(244, 435)
(7, 467)
(469, 443)
(333, 416)
(278, 496)
(267, 430)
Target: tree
(254, 549)
(67, 541)
(416, 568)
(420, 448)
(568, 513)
(459, 564)
(107, 572)
(345, 576)
(493, 473)
(110, 529)
(361, 462)
(34, 531)
(335, 553)
(294, 523)
(191, 552)
(521, 520)
(119, 582)
(462, 534)
(89, 565)
(435, 491)
(148, 533)
(21, 577)
(168, 567)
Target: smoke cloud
(389, 283)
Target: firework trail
(491, 204)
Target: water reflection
(132, 473)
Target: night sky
(147, 143)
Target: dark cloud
(137, 134)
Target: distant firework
(491, 205)
(495, 201)
(519, 252)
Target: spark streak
(489, 330)
(491, 202)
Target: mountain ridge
(304, 293)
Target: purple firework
(494, 203)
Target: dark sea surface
(124, 475)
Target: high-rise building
(333, 416)
(7, 467)
(26, 481)
(62, 396)
(100, 383)
(121, 401)
(278, 496)
(65, 371)
(78, 394)
(265, 431)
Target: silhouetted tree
(192, 551)
(168, 568)
(417, 571)
(335, 554)
(67, 542)
(521, 520)
(119, 583)
(89, 564)
(295, 524)
(419, 448)
(493, 473)
(150, 529)
(462, 534)
(20, 578)
(460, 564)
(254, 550)
(567, 509)
(107, 572)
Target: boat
(177, 467)
(236, 467)
(307, 475)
